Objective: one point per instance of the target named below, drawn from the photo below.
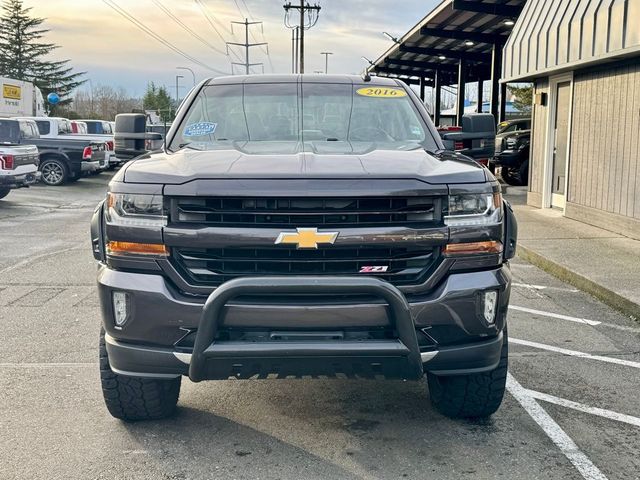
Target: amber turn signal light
(131, 248)
(472, 248)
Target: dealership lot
(571, 411)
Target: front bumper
(508, 158)
(160, 317)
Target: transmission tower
(308, 18)
(247, 64)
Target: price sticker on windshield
(199, 129)
(379, 92)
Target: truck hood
(187, 165)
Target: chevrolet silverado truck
(18, 163)
(298, 226)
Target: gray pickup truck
(301, 226)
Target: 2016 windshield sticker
(378, 92)
(199, 129)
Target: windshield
(290, 117)
(9, 132)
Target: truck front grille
(404, 265)
(399, 262)
(311, 212)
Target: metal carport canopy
(459, 41)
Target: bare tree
(104, 102)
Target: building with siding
(583, 57)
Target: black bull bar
(217, 359)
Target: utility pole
(313, 11)
(177, 94)
(246, 45)
(294, 49)
(326, 61)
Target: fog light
(120, 307)
(490, 304)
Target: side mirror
(130, 135)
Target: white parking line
(601, 412)
(558, 436)
(574, 353)
(555, 315)
(584, 321)
(544, 287)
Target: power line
(187, 28)
(155, 36)
(253, 37)
(247, 64)
(211, 21)
(264, 38)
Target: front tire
(54, 172)
(511, 177)
(523, 172)
(136, 398)
(471, 396)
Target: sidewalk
(602, 263)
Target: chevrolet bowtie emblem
(306, 238)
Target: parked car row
(52, 149)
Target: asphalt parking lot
(572, 410)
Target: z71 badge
(374, 269)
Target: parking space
(571, 411)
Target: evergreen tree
(522, 97)
(166, 108)
(150, 100)
(159, 100)
(23, 54)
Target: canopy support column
(503, 103)
(462, 83)
(496, 65)
(437, 104)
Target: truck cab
(297, 226)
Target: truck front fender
(510, 231)
(97, 233)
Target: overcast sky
(115, 52)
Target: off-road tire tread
(477, 395)
(523, 173)
(133, 398)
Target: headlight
(474, 209)
(512, 143)
(138, 210)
